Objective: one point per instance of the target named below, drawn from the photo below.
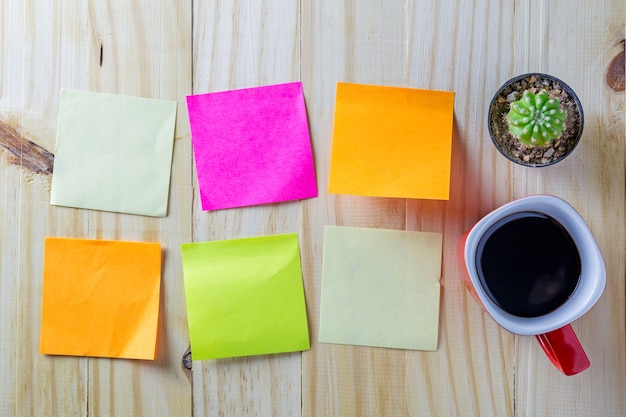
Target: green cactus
(536, 119)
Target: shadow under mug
(552, 329)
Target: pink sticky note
(252, 146)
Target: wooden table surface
(169, 49)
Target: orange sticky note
(391, 142)
(100, 298)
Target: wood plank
(143, 49)
(43, 385)
(592, 180)
(343, 41)
(466, 54)
(244, 44)
(11, 26)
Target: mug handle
(564, 350)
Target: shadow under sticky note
(100, 298)
(252, 146)
(380, 288)
(113, 153)
(245, 297)
(391, 142)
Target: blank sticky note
(245, 297)
(100, 298)
(113, 153)
(380, 288)
(391, 142)
(252, 146)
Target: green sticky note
(245, 297)
(380, 288)
(113, 153)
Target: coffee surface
(528, 264)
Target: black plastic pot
(512, 148)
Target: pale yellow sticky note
(391, 142)
(380, 288)
(113, 153)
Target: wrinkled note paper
(245, 297)
(100, 298)
(252, 146)
(113, 153)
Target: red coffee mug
(552, 330)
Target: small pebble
(514, 96)
(548, 153)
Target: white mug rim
(593, 271)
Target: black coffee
(528, 264)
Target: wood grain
(172, 48)
(592, 182)
(50, 47)
(242, 44)
(471, 338)
(339, 44)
